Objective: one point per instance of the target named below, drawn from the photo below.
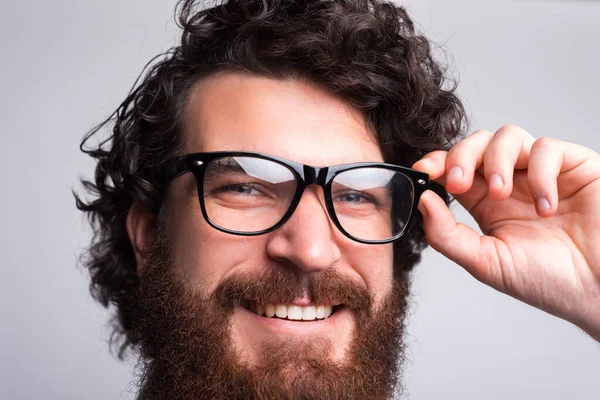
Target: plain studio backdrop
(67, 64)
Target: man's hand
(538, 204)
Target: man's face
(307, 256)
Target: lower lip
(295, 328)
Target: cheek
(202, 254)
(374, 265)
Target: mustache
(182, 333)
(283, 286)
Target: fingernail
(496, 181)
(455, 172)
(542, 204)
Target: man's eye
(354, 197)
(241, 189)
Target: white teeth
(320, 312)
(309, 313)
(292, 312)
(281, 311)
(269, 310)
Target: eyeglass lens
(249, 194)
(372, 203)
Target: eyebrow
(191, 185)
(218, 168)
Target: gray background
(67, 64)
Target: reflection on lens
(247, 194)
(372, 203)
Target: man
(256, 220)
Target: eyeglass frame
(304, 174)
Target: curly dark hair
(366, 52)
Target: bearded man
(271, 181)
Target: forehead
(287, 118)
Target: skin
(541, 223)
(546, 257)
(297, 121)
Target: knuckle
(470, 146)
(544, 142)
(506, 134)
(483, 132)
(509, 128)
(515, 135)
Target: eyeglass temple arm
(174, 168)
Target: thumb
(455, 240)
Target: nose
(308, 240)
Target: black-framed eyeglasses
(246, 193)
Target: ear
(139, 224)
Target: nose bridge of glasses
(317, 176)
(314, 175)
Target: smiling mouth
(292, 312)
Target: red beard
(186, 351)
